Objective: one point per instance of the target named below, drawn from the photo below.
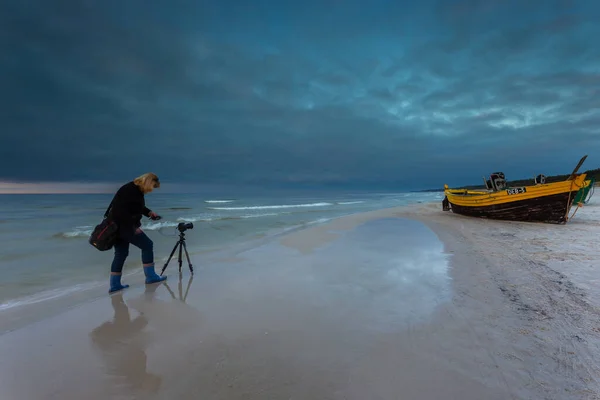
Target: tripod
(181, 244)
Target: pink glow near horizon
(74, 187)
(55, 188)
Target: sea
(45, 254)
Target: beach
(406, 302)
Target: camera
(184, 226)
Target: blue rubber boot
(115, 284)
(151, 276)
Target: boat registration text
(516, 190)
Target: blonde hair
(147, 182)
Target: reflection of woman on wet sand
(121, 342)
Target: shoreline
(519, 323)
(22, 310)
(58, 227)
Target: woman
(127, 208)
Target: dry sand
(370, 306)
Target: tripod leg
(188, 258)
(182, 244)
(169, 259)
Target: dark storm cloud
(316, 92)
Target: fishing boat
(539, 202)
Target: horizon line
(81, 187)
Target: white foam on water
(320, 221)
(52, 294)
(79, 231)
(47, 295)
(86, 231)
(322, 204)
(154, 226)
(261, 215)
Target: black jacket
(127, 208)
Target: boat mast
(572, 176)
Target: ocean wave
(219, 201)
(320, 221)
(232, 217)
(86, 231)
(260, 215)
(345, 203)
(194, 219)
(155, 226)
(271, 207)
(55, 293)
(79, 231)
(47, 295)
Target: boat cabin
(540, 179)
(496, 182)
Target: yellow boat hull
(548, 202)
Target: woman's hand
(154, 216)
(138, 231)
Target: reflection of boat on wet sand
(540, 202)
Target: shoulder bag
(105, 233)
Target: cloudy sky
(373, 94)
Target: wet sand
(405, 303)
